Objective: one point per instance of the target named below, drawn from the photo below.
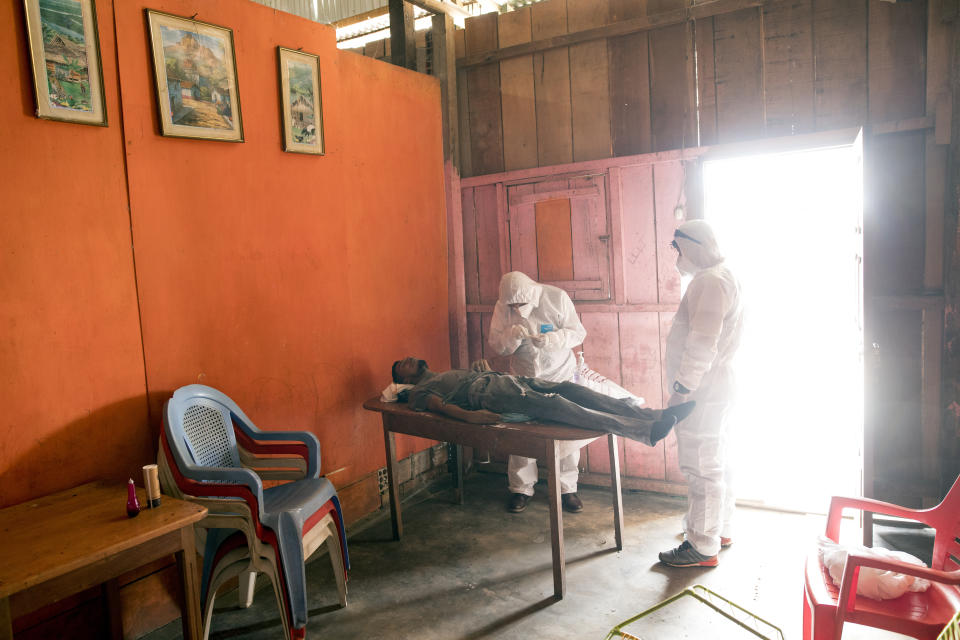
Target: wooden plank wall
(743, 71)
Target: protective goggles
(681, 234)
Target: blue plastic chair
(212, 453)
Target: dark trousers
(566, 402)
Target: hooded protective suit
(515, 332)
(700, 347)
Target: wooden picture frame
(301, 104)
(195, 77)
(65, 60)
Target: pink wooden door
(559, 233)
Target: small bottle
(133, 505)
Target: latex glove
(678, 398)
(519, 332)
(539, 340)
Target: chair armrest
(303, 444)
(213, 482)
(839, 503)
(851, 577)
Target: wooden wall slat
(630, 94)
(669, 184)
(598, 456)
(474, 337)
(706, 81)
(587, 221)
(551, 78)
(788, 66)
(840, 72)
(893, 238)
(601, 347)
(488, 243)
(627, 9)
(517, 94)
(896, 45)
(497, 363)
(470, 258)
(639, 252)
(738, 42)
(523, 233)
(671, 92)
(590, 83)
(483, 94)
(641, 367)
(671, 463)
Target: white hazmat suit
(700, 347)
(539, 337)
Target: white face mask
(685, 266)
(524, 310)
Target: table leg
(6, 622)
(615, 488)
(556, 520)
(392, 484)
(111, 598)
(459, 467)
(187, 563)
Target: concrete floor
(476, 571)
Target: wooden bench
(547, 442)
(76, 539)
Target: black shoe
(682, 410)
(571, 502)
(517, 503)
(661, 428)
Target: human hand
(482, 416)
(678, 398)
(539, 340)
(519, 332)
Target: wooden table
(549, 442)
(73, 540)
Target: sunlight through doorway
(789, 225)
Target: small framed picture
(65, 58)
(195, 72)
(300, 102)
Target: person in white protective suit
(537, 326)
(700, 348)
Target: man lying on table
(479, 397)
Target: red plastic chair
(919, 615)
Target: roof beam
(452, 8)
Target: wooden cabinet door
(559, 233)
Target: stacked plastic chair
(211, 453)
(918, 615)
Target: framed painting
(65, 59)
(300, 104)
(195, 71)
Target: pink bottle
(133, 505)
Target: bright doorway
(789, 224)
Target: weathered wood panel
(671, 88)
(551, 77)
(474, 336)
(706, 81)
(788, 66)
(517, 94)
(738, 42)
(896, 45)
(630, 94)
(640, 364)
(601, 347)
(497, 363)
(554, 240)
(523, 232)
(893, 238)
(483, 95)
(488, 243)
(471, 264)
(589, 83)
(840, 51)
(639, 237)
(668, 185)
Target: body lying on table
(480, 397)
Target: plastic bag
(877, 584)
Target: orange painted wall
(71, 364)
(290, 282)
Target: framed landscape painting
(195, 71)
(65, 58)
(300, 103)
